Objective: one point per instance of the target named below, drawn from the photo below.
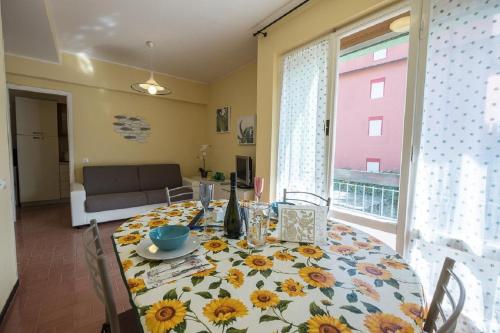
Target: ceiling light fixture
(150, 87)
(401, 24)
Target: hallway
(55, 292)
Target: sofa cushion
(102, 202)
(159, 176)
(110, 179)
(159, 196)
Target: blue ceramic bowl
(169, 237)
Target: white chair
(125, 322)
(296, 197)
(448, 323)
(183, 193)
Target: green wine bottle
(232, 219)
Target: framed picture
(246, 130)
(223, 119)
(302, 224)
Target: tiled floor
(55, 293)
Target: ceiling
(200, 40)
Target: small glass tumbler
(256, 218)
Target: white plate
(148, 250)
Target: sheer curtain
(302, 144)
(457, 195)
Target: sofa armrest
(78, 196)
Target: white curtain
(302, 145)
(457, 196)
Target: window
(380, 54)
(377, 88)
(373, 165)
(375, 126)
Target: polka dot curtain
(457, 195)
(302, 142)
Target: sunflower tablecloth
(356, 283)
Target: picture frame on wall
(302, 224)
(223, 119)
(246, 130)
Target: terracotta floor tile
(55, 292)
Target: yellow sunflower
(272, 226)
(126, 264)
(165, 315)
(373, 271)
(258, 262)
(292, 287)
(174, 213)
(264, 299)
(385, 323)
(135, 284)
(394, 264)
(157, 223)
(135, 226)
(235, 277)
(338, 227)
(129, 239)
(414, 311)
(153, 215)
(310, 251)
(283, 256)
(272, 239)
(242, 244)
(188, 204)
(343, 249)
(366, 289)
(208, 271)
(218, 203)
(323, 324)
(215, 245)
(363, 245)
(317, 277)
(224, 310)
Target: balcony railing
(376, 200)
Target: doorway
(40, 136)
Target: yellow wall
(178, 121)
(8, 273)
(316, 19)
(238, 90)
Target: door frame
(412, 114)
(69, 109)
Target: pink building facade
(370, 110)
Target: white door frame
(411, 115)
(69, 108)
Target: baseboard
(8, 302)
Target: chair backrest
(297, 194)
(448, 323)
(96, 263)
(174, 193)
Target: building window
(380, 54)
(373, 165)
(377, 88)
(375, 126)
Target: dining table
(352, 283)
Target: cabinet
(222, 189)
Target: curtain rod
(264, 33)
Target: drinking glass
(258, 185)
(206, 195)
(256, 220)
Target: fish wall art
(132, 128)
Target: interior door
(36, 117)
(38, 160)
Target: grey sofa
(118, 192)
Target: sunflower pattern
(355, 283)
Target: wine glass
(206, 195)
(258, 185)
